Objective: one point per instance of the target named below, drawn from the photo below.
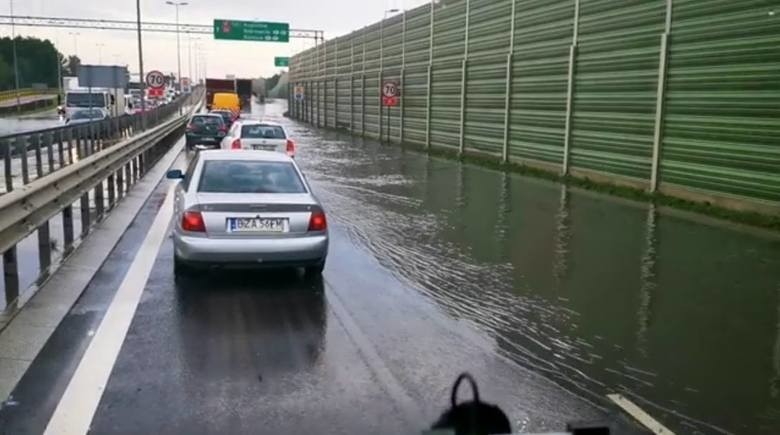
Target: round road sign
(390, 89)
(155, 80)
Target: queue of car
(245, 203)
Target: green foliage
(37, 62)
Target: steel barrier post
(570, 90)
(660, 98)
(21, 145)
(67, 229)
(508, 85)
(44, 248)
(7, 156)
(11, 275)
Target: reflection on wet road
(550, 297)
(597, 293)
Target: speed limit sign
(155, 80)
(390, 93)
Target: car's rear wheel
(316, 269)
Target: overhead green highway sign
(236, 30)
(281, 61)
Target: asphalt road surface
(550, 298)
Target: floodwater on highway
(25, 123)
(602, 295)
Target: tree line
(36, 60)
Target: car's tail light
(222, 129)
(193, 221)
(317, 222)
(290, 148)
(190, 128)
(236, 145)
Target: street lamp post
(178, 39)
(141, 65)
(75, 43)
(16, 62)
(100, 46)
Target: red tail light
(317, 222)
(236, 145)
(223, 129)
(193, 221)
(291, 148)
(189, 128)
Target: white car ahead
(247, 134)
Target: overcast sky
(244, 59)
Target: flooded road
(551, 297)
(600, 294)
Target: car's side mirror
(175, 174)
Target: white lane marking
(78, 404)
(638, 413)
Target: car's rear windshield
(262, 131)
(206, 120)
(234, 176)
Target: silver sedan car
(247, 209)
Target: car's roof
(206, 114)
(246, 155)
(257, 121)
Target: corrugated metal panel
(615, 86)
(445, 104)
(722, 119)
(417, 35)
(415, 97)
(489, 25)
(448, 48)
(372, 104)
(543, 34)
(721, 110)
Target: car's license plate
(258, 224)
(208, 139)
(264, 147)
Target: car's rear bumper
(195, 139)
(292, 251)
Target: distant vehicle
(97, 98)
(214, 86)
(244, 91)
(246, 209)
(87, 115)
(226, 101)
(257, 135)
(205, 129)
(227, 116)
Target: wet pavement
(32, 122)
(550, 297)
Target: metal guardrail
(92, 160)
(6, 95)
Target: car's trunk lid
(236, 215)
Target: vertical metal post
(21, 148)
(85, 217)
(352, 83)
(324, 79)
(508, 85)
(99, 202)
(403, 78)
(570, 90)
(336, 88)
(48, 139)
(11, 275)
(61, 147)
(120, 183)
(7, 156)
(36, 138)
(44, 248)
(463, 72)
(660, 98)
(67, 229)
(363, 108)
(379, 104)
(430, 79)
(111, 185)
